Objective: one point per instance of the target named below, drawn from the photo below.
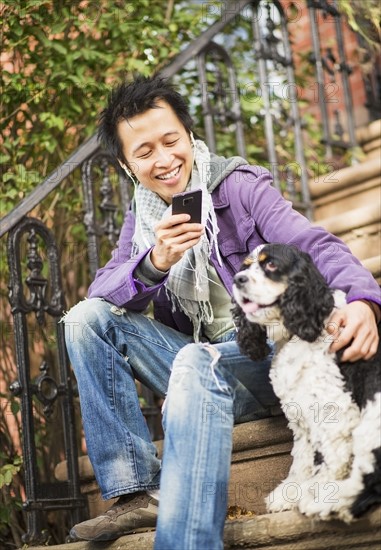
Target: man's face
(158, 150)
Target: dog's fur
(333, 408)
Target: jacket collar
(220, 195)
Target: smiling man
(186, 270)
(159, 148)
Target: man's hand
(174, 236)
(354, 324)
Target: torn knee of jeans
(66, 314)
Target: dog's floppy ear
(307, 300)
(251, 337)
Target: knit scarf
(187, 285)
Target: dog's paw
(284, 497)
(279, 506)
(325, 500)
(324, 511)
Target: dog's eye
(271, 267)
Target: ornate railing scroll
(34, 298)
(372, 80)
(280, 103)
(272, 88)
(331, 68)
(219, 98)
(101, 204)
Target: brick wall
(300, 34)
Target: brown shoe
(133, 513)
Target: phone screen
(188, 203)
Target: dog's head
(260, 283)
(280, 284)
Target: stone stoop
(347, 202)
(283, 531)
(260, 461)
(293, 531)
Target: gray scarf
(188, 284)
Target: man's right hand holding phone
(174, 236)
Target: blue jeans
(212, 386)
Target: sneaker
(134, 513)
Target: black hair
(134, 98)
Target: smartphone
(188, 202)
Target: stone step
(283, 531)
(347, 204)
(345, 178)
(374, 266)
(360, 229)
(260, 461)
(345, 222)
(369, 133)
(349, 198)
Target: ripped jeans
(212, 387)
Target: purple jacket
(249, 212)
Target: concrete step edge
(284, 530)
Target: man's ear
(126, 169)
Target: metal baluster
(41, 496)
(105, 223)
(215, 104)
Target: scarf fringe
(203, 315)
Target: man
(186, 270)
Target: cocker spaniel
(333, 408)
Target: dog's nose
(240, 279)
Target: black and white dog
(333, 408)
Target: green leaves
(8, 470)
(52, 121)
(364, 18)
(60, 60)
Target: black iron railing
(37, 296)
(332, 68)
(35, 287)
